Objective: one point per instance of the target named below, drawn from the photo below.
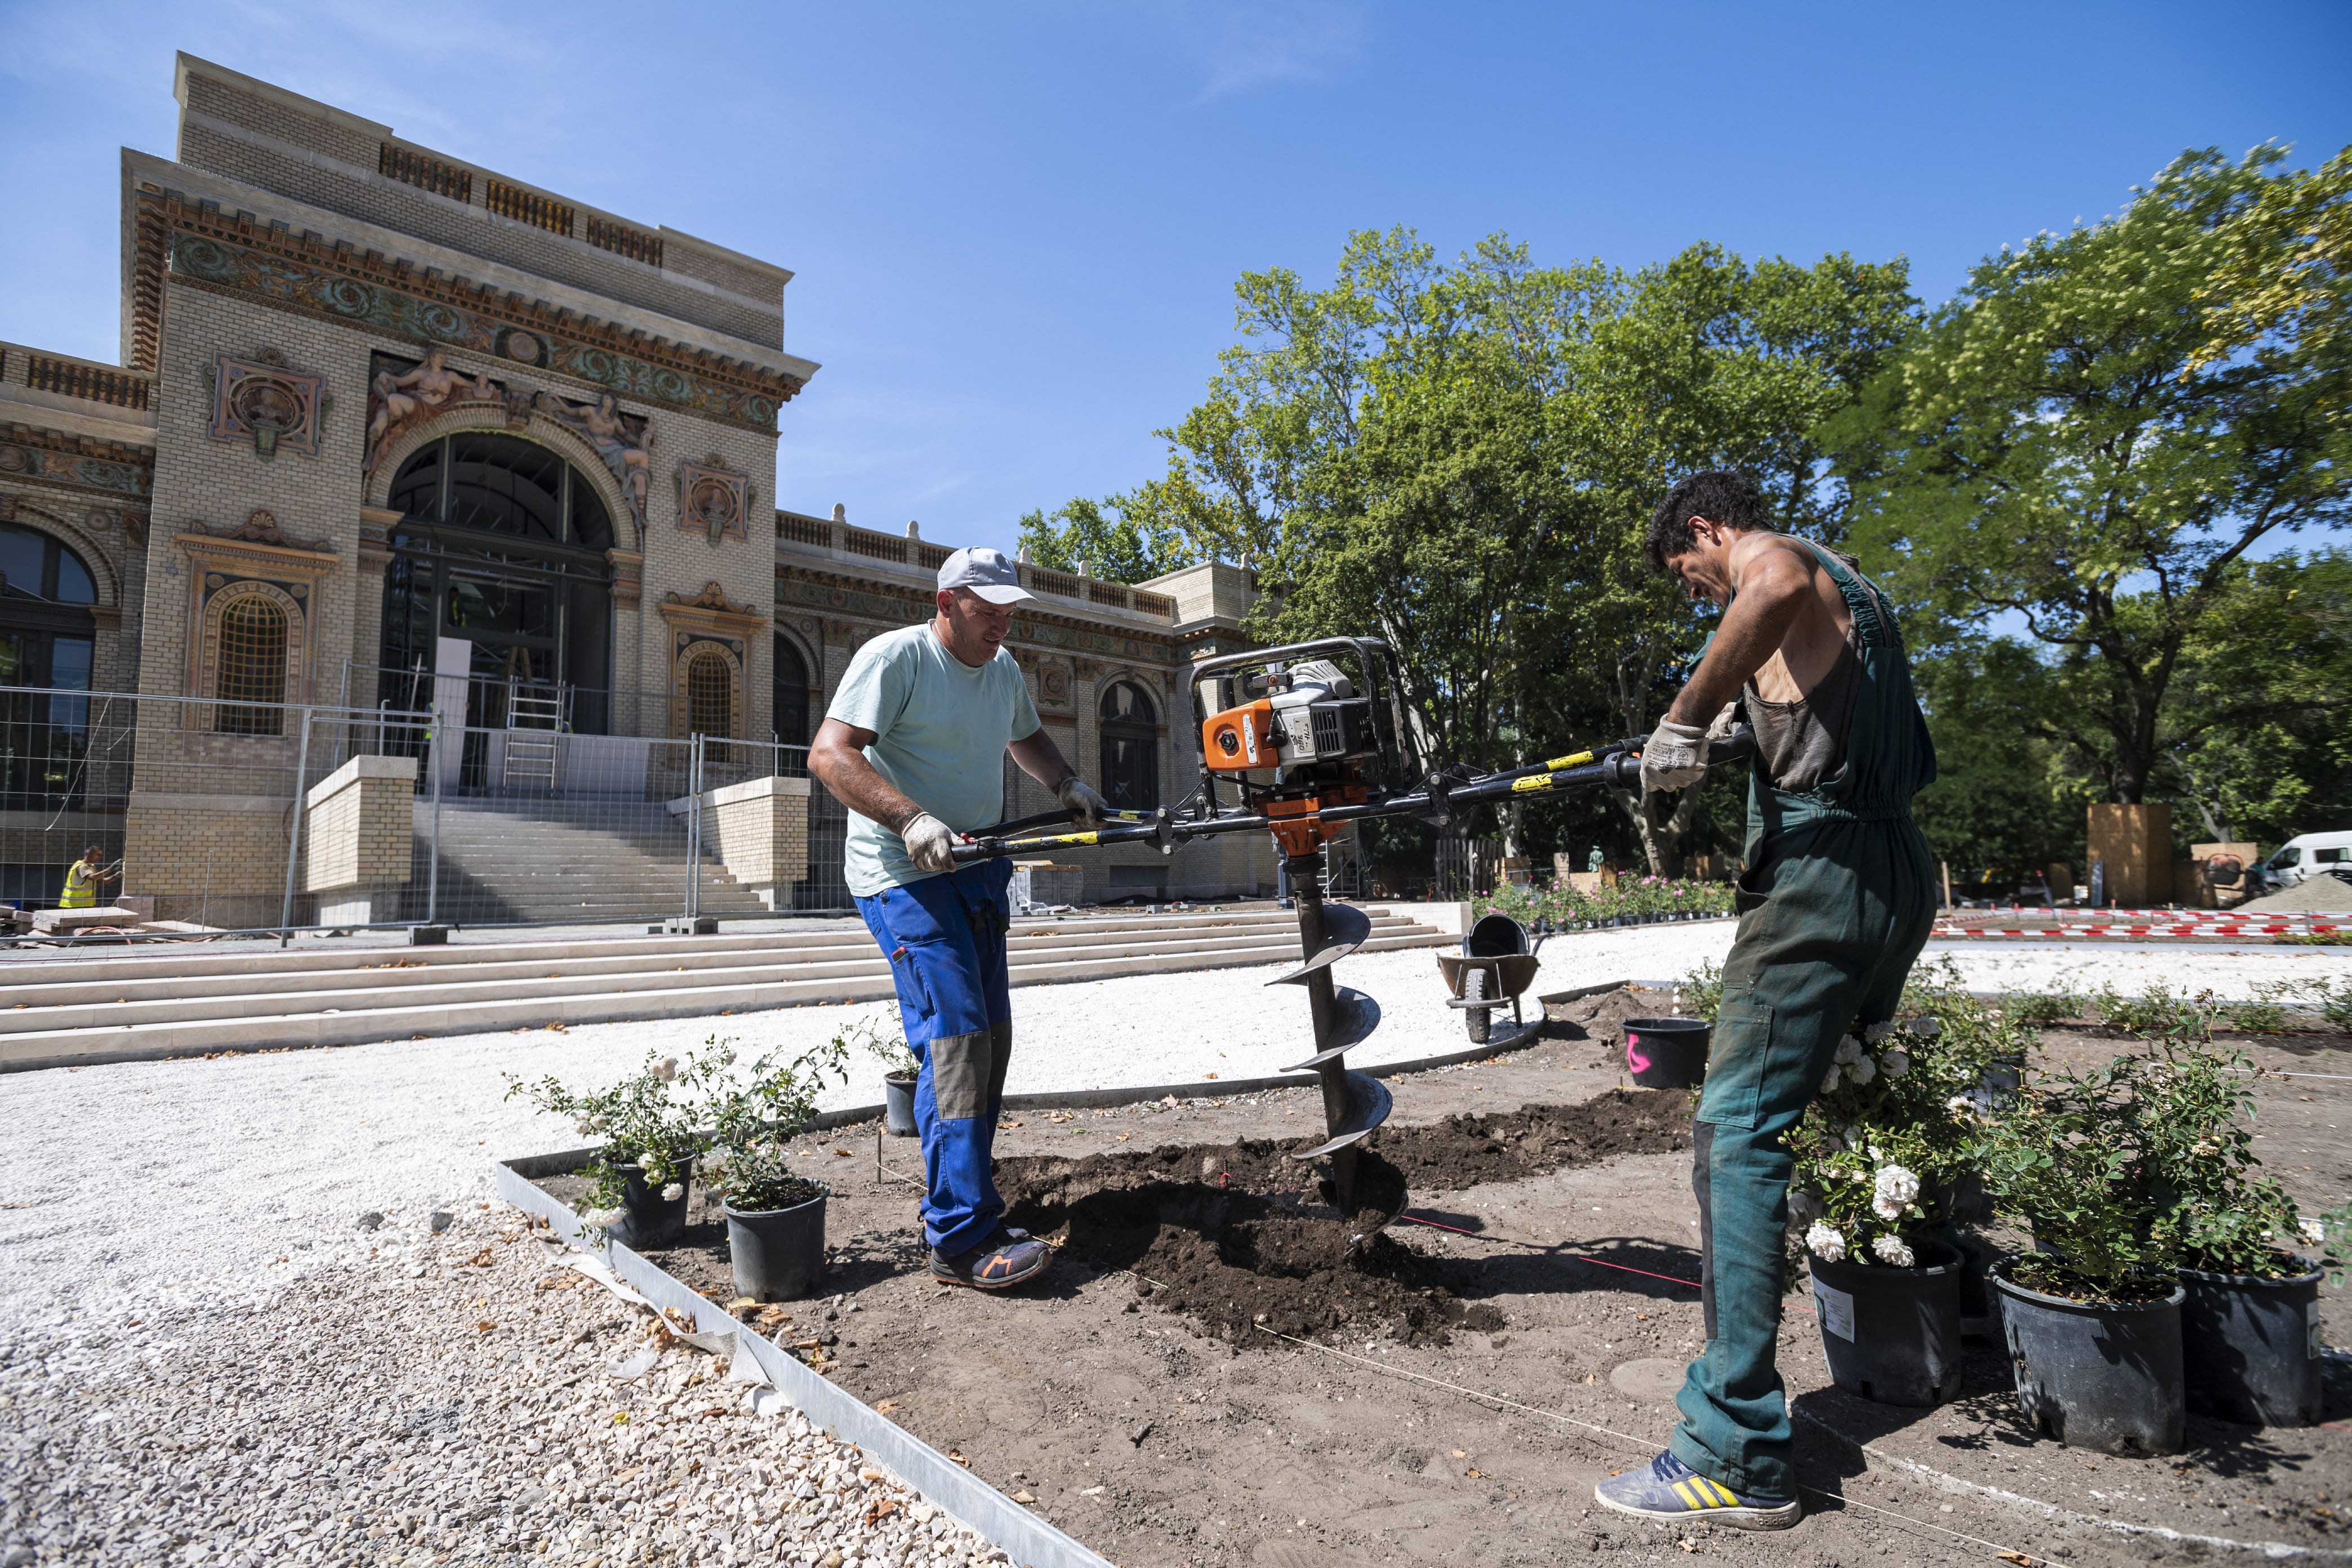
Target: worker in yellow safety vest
(82, 879)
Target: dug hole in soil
(1220, 1369)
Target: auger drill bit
(1354, 1104)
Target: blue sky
(1016, 228)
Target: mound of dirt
(2311, 893)
(1240, 1235)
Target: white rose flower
(1836, 1076)
(1878, 1032)
(1961, 1106)
(1890, 1249)
(667, 1071)
(581, 1128)
(1849, 1051)
(1824, 1243)
(1860, 1178)
(1927, 1028)
(1886, 1208)
(598, 1219)
(1897, 1184)
(672, 1193)
(1895, 1063)
(2313, 1230)
(1862, 1072)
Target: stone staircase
(100, 1005)
(545, 862)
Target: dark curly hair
(1720, 495)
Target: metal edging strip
(1029, 1540)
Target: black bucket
(1667, 1053)
(1893, 1335)
(647, 1219)
(2096, 1374)
(898, 1106)
(1495, 936)
(2258, 1347)
(778, 1253)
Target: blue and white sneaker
(1672, 1492)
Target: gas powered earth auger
(1307, 739)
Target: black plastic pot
(778, 1253)
(899, 1105)
(2096, 1374)
(1979, 1307)
(1893, 1335)
(649, 1219)
(2257, 1355)
(1667, 1053)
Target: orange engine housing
(1236, 741)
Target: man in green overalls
(1836, 904)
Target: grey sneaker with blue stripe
(1672, 1492)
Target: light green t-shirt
(940, 728)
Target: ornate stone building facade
(388, 424)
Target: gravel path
(213, 1207)
(453, 1399)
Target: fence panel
(271, 816)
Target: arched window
(710, 696)
(252, 667)
(1130, 748)
(790, 705)
(46, 639)
(502, 543)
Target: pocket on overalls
(1737, 1057)
(909, 977)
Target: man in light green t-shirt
(914, 743)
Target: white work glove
(1674, 757)
(1721, 729)
(1076, 796)
(930, 843)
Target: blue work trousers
(945, 939)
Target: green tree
(1108, 538)
(2058, 449)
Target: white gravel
(215, 1205)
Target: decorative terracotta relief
(713, 500)
(261, 400)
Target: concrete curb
(1028, 1539)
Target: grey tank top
(1802, 744)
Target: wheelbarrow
(1494, 967)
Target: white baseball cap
(986, 572)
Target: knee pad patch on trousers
(967, 1073)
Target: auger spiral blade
(1354, 1104)
(1345, 927)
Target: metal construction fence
(252, 815)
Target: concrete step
(87, 1003)
(109, 1007)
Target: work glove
(1721, 729)
(930, 843)
(1078, 798)
(1674, 757)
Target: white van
(2308, 855)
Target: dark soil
(1242, 1235)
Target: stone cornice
(75, 462)
(206, 248)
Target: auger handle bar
(1619, 765)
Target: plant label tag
(2316, 1344)
(1836, 1310)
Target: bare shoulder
(1775, 558)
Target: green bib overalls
(1836, 904)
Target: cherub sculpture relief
(623, 440)
(418, 394)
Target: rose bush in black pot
(639, 1179)
(775, 1217)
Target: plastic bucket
(1893, 1335)
(2258, 1347)
(898, 1106)
(647, 1219)
(2096, 1374)
(1667, 1053)
(778, 1253)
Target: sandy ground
(196, 1185)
